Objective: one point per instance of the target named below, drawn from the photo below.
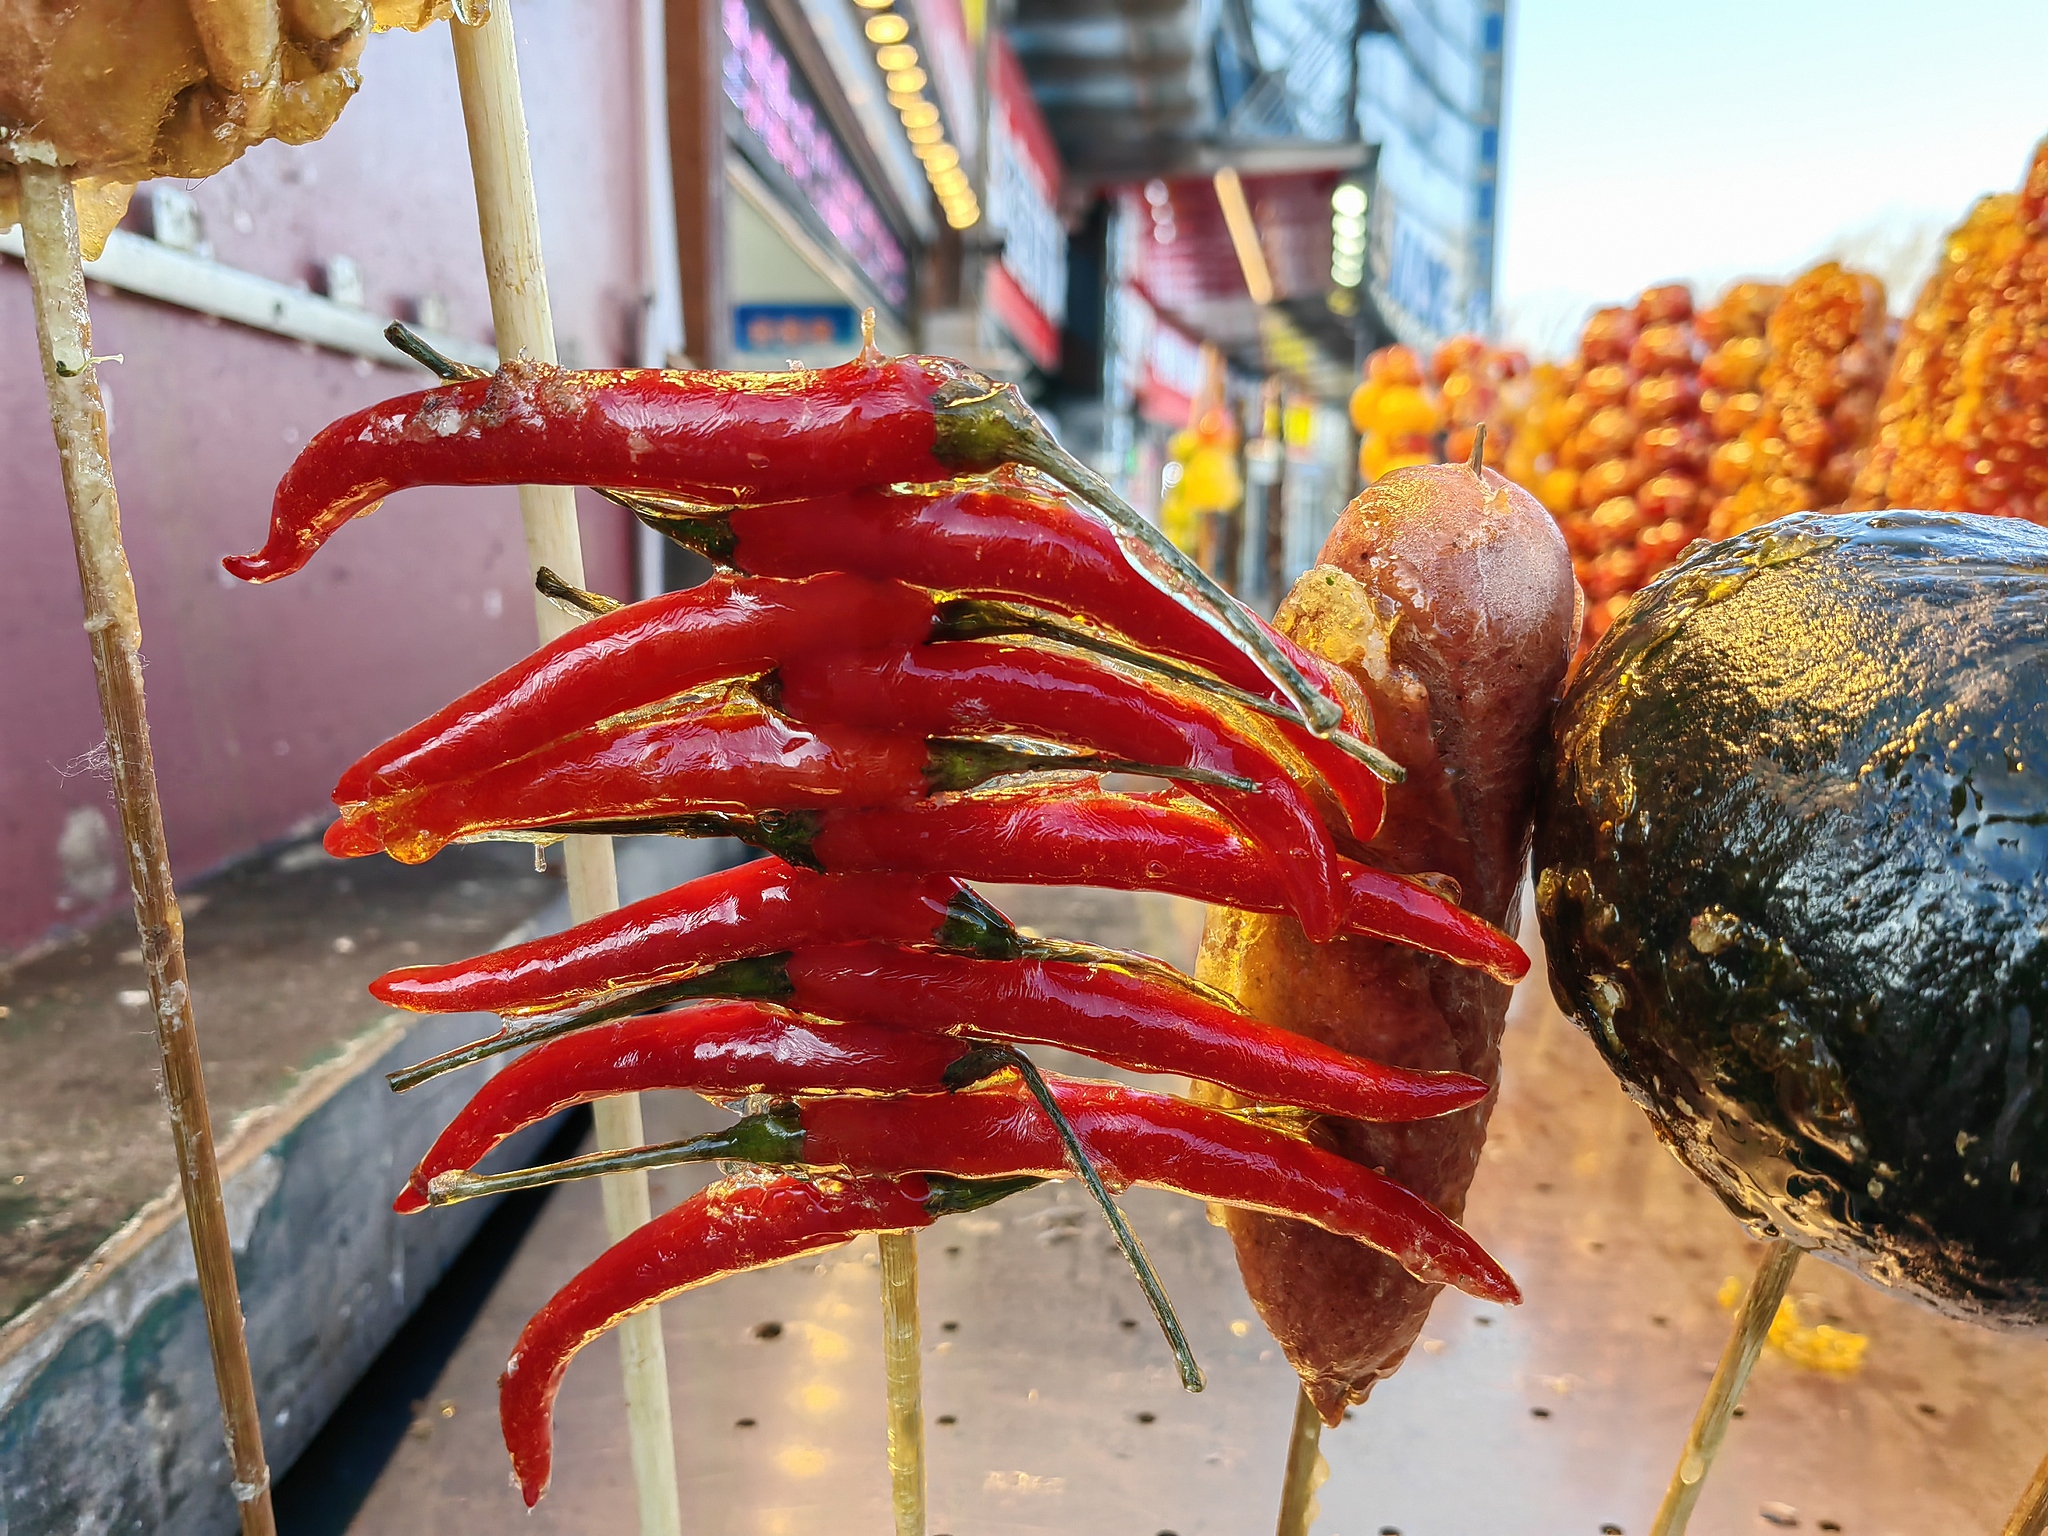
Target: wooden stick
(904, 1371)
(1306, 1469)
(2031, 1517)
(78, 416)
(1746, 1341)
(487, 72)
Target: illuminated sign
(777, 106)
(950, 56)
(1023, 202)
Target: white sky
(1663, 140)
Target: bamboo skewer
(78, 416)
(903, 1371)
(2031, 1517)
(1306, 1469)
(487, 72)
(1745, 1342)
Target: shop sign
(1020, 317)
(1023, 203)
(1415, 277)
(949, 56)
(773, 327)
(776, 105)
(1162, 362)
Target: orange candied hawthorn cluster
(1396, 416)
(1551, 411)
(1963, 423)
(1614, 445)
(1823, 357)
(1479, 385)
(1734, 331)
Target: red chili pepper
(732, 1227)
(1012, 535)
(978, 687)
(1120, 842)
(729, 756)
(720, 1049)
(1132, 1017)
(715, 437)
(758, 908)
(634, 657)
(996, 1130)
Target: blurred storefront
(826, 206)
(1076, 198)
(1429, 99)
(1291, 183)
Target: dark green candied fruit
(1792, 869)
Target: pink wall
(258, 697)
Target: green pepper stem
(973, 926)
(694, 525)
(1134, 1251)
(950, 1196)
(786, 834)
(775, 1136)
(982, 424)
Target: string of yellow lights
(906, 80)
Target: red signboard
(1025, 322)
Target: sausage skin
(1448, 596)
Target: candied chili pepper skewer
(1013, 533)
(1010, 535)
(722, 1050)
(732, 1227)
(729, 754)
(730, 1050)
(993, 1129)
(986, 687)
(1354, 787)
(1353, 769)
(1128, 842)
(1083, 1001)
(635, 657)
(756, 908)
(720, 437)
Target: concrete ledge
(109, 1420)
(108, 1416)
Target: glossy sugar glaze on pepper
(837, 717)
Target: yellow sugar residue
(1816, 1346)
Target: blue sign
(785, 328)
